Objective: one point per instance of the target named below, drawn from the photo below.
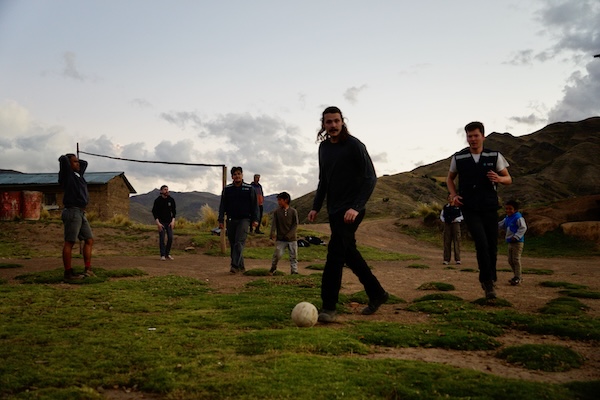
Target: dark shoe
(70, 275)
(515, 281)
(490, 292)
(327, 316)
(375, 304)
(259, 232)
(294, 273)
(89, 273)
(272, 271)
(234, 270)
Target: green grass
(565, 285)
(542, 357)
(160, 334)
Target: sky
(237, 82)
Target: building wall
(106, 200)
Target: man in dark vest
(480, 170)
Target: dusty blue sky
(244, 82)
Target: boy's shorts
(76, 225)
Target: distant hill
(555, 163)
(188, 204)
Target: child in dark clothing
(451, 216)
(515, 227)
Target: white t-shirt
(500, 165)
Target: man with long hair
(347, 179)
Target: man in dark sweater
(164, 212)
(239, 203)
(75, 200)
(347, 178)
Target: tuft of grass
(565, 285)
(443, 286)
(56, 276)
(438, 296)
(316, 267)
(542, 357)
(468, 270)
(120, 220)
(497, 302)
(417, 266)
(361, 297)
(565, 306)
(580, 293)
(10, 265)
(443, 306)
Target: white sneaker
(445, 263)
(170, 258)
(162, 258)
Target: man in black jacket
(239, 203)
(164, 212)
(347, 178)
(480, 170)
(75, 200)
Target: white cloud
(351, 94)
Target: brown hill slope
(555, 163)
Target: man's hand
(160, 227)
(312, 215)
(350, 215)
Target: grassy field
(173, 337)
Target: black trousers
(342, 251)
(483, 226)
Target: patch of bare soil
(395, 277)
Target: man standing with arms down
(238, 202)
(75, 200)
(260, 198)
(479, 170)
(347, 178)
(164, 212)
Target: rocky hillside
(556, 163)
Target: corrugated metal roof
(39, 179)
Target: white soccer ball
(305, 315)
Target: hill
(555, 163)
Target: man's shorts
(76, 225)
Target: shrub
(208, 217)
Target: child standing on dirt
(515, 227)
(283, 231)
(451, 216)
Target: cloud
(530, 119)
(142, 103)
(70, 70)
(351, 94)
(581, 96)
(182, 119)
(577, 43)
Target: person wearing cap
(283, 230)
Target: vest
(476, 190)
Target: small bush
(120, 220)
(208, 217)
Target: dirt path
(403, 282)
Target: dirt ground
(396, 278)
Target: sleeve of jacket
(255, 210)
(174, 209)
(522, 228)
(65, 169)
(221, 217)
(369, 179)
(155, 209)
(273, 225)
(82, 167)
